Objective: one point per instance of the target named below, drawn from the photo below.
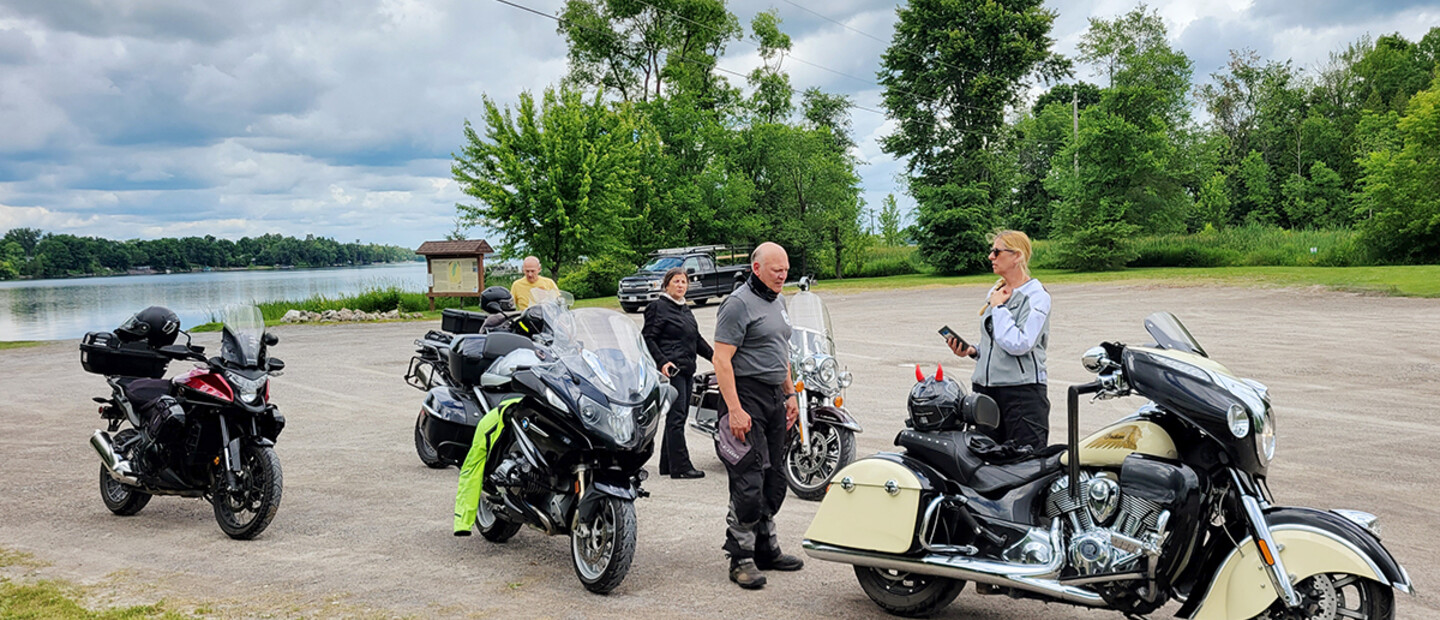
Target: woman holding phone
(674, 340)
(1010, 354)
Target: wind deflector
(1170, 334)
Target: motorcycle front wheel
(246, 510)
(832, 448)
(908, 594)
(427, 453)
(602, 546)
(121, 499)
(1334, 596)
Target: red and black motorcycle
(208, 433)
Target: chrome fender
(1311, 542)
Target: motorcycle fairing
(1311, 542)
(874, 505)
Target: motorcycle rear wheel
(120, 498)
(491, 526)
(1337, 595)
(809, 476)
(601, 548)
(243, 513)
(908, 594)
(427, 453)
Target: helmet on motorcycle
(497, 299)
(530, 323)
(935, 403)
(158, 325)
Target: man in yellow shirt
(532, 280)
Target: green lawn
(20, 344)
(1402, 281)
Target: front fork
(802, 402)
(1251, 502)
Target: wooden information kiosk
(455, 268)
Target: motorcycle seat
(470, 356)
(949, 452)
(142, 392)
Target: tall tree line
(30, 252)
(648, 143)
(1350, 144)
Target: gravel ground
(364, 527)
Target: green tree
(1255, 203)
(1399, 188)
(12, 255)
(556, 180)
(1212, 206)
(890, 233)
(771, 100)
(634, 47)
(26, 238)
(1134, 52)
(952, 68)
(1317, 201)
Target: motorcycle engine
(1110, 532)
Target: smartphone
(948, 334)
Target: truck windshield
(661, 263)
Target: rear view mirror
(271, 340)
(689, 270)
(275, 364)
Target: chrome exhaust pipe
(119, 468)
(1031, 578)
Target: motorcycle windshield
(1170, 334)
(603, 347)
(810, 326)
(244, 332)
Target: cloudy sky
(150, 118)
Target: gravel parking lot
(364, 527)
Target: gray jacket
(1013, 339)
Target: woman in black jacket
(674, 339)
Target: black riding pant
(674, 455)
(1024, 414)
(757, 482)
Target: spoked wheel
(428, 454)
(1334, 596)
(120, 498)
(246, 510)
(492, 526)
(602, 546)
(908, 594)
(832, 448)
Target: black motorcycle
(1169, 503)
(208, 433)
(569, 457)
(449, 368)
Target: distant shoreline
(210, 270)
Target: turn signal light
(799, 386)
(1265, 553)
(839, 401)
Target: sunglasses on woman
(996, 251)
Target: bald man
(758, 405)
(531, 280)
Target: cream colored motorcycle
(1168, 503)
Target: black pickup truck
(711, 268)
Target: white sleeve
(1016, 339)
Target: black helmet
(157, 324)
(934, 402)
(496, 299)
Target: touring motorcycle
(823, 442)
(208, 433)
(580, 424)
(1170, 502)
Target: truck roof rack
(690, 250)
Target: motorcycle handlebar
(1072, 414)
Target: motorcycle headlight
(808, 366)
(1239, 420)
(247, 390)
(846, 379)
(1265, 436)
(617, 423)
(829, 372)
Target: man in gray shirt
(752, 366)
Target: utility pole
(1075, 120)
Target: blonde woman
(1010, 357)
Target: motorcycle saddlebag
(873, 505)
(450, 421)
(458, 321)
(103, 353)
(705, 399)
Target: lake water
(61, 309)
